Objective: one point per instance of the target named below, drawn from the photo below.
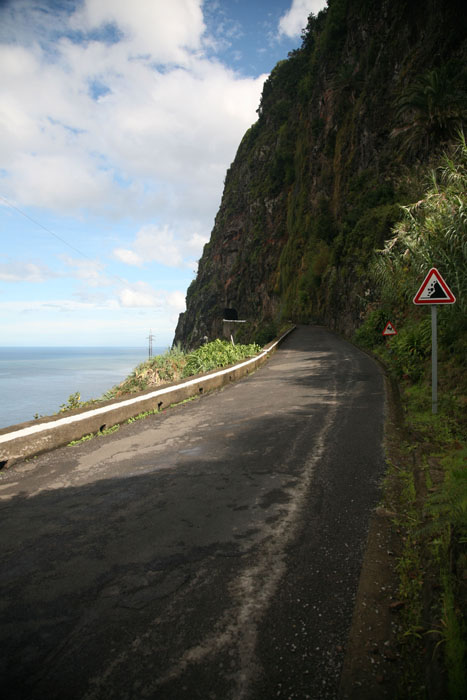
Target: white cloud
(129, 257)
(136, 295)
(295, 19)
(176, 302)
(58, 181)
(54, 305)
(89, 271)
(162, 29)
(142, 125)
(139, 294)
(116, 110)
(159, 244)
(143, 295)
(155, 244)
(15, 271)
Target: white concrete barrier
(28, 439)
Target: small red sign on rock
(389, 329)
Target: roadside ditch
(408, 634)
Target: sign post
(434, 359)
(434, 291)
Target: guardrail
(18, 442)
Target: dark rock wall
(318, 180)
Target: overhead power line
(45, 228)
(62, 240)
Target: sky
(118, 121)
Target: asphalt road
(212, 551)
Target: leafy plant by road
(171, 366)
(219, 353)
(431, 233)
(430, 468)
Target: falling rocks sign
(389, 329)
(434, 290)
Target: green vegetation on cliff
(346, 127)
(429, 233)
(431, 463)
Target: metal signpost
(434, 291)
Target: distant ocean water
(39, 379)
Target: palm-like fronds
(432, 233)
(430, 110)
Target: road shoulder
(372, 664)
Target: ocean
(40, 379)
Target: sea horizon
(159, 349)
(37, 380)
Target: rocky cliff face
(345, 125)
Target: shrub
(266, 333)
(410, 348)
(160, 369)
(218, 353)
(370, 332)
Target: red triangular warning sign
(434, 290)
(389, 329)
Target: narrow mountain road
(211, 552)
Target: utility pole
(150, 338)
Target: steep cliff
(345, 125)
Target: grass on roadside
(174, 365)
(432, 520)
(129, 421)
(166, 368)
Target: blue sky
(118, 121)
